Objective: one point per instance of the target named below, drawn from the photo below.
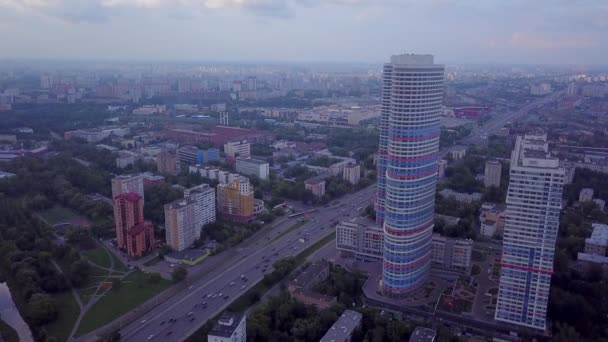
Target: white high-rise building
(531, 228)
(204, 210)
(180, 221)
(412, 97)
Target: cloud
(552, 41)
(99, 10)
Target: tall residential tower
(412, 97)
(531, 225)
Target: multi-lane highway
(182, 315)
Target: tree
(154, 278)
(79, 272)
(42, 308)
(179, 274)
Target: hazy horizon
(306, 31)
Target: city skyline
(516, 32)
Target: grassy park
(136, 288)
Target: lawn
(59, 214)
(60, 328)
(98, 256)
(289, 230)
(135, 290)
(315, 247)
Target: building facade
(586, 195)
(352, 173)
(253, 167)
(355, 239)
(412, 98)
(231, 327)
(531, 227)
(168, 164)
(180, 224)
(235, 149)
(316, 186)
(235, 200)
(128, 211)
(597, 244)
(492, 173)
(442, 164)
(204, 211)
(128, 183)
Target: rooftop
(253, 161)
(422, 334)
(343, 327)
(129, 196)
(599, 236)
(227, 324)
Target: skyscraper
(531, 225)
(412, 96)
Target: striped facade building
(531, 226)
(407, 169)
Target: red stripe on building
(525, 268)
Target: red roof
(129, 196)
(139, 228)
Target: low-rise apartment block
(253, 167)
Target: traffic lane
(222, 286)
(284, 245)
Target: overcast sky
(456, 31)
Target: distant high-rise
(168, 163)
(204, 210)
(128, 183)
(412, 96)
(531, 226)
(492, 173)
(224, 119)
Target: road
(479, 134)
(183, 314)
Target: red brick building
(140, 239)
(132, 233)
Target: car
(209, 295)
(190, 313)
(214, 296)
(226, 296)
(163, 322)
(150, 337)
(276, 253)
(242, 287)
(143, 322)
(172, 265)
(257, 266)
(242, 276)
(169, 333)
(231, 284)
(192, 319)
(221, 294)
(190, 287)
